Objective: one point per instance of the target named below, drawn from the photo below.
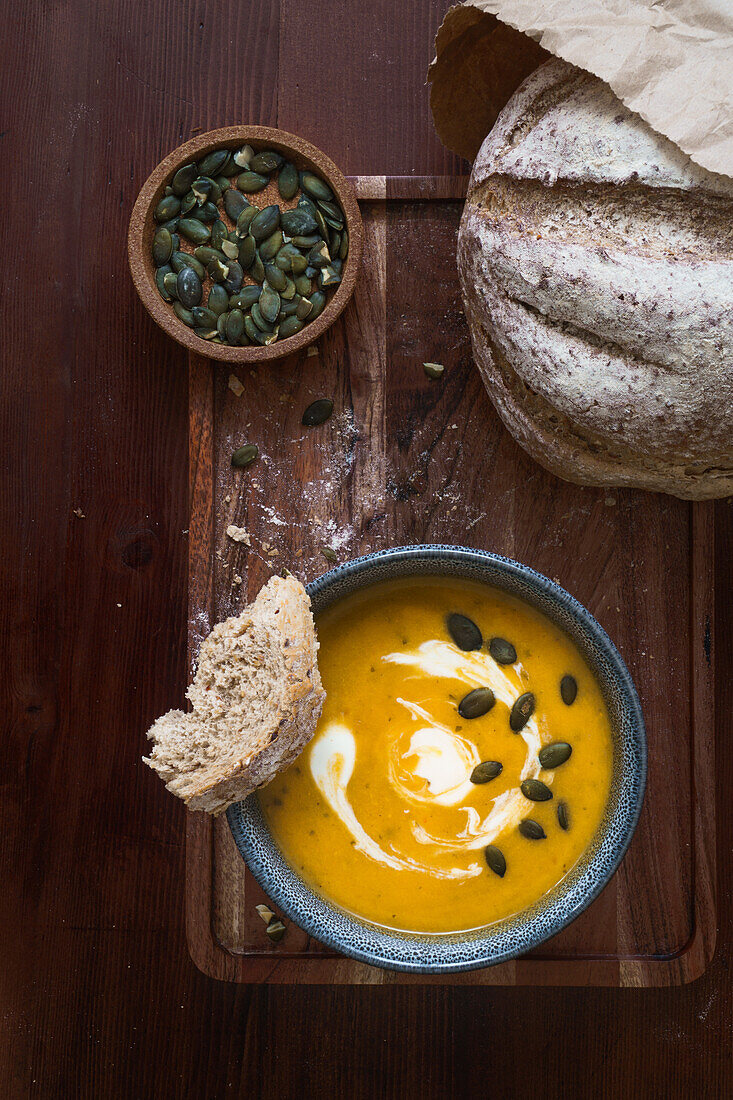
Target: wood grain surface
(406, 460)
(99, 997)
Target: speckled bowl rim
(140, 235)
(515, 935)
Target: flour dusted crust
(597, 269)
(256, 697)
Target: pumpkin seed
(521, 712)
(230, 250)
(287, 181)
(477, 703)
(329, 553)
(555, 754)
(213, 162)
(234, 333)
(535, 790)
(202, 188)
(314, 185)
(229, 168)
(234, 204)
(221, 325)
(170, 283)
(207, 213)
(183, 314)
(187, 203)
(266, 161)
(252, 331)
(217, 270)
(167, 208)
(289, 292)
(206, 333)
(563, 815)
(486, 771)
(317, 412)
(331, 209)
(318, 301)
(219, 233)
(162, 247)
(176, 242)
(344, 249)
(303, 308)
(299, 264)
(289, 327)
(265, 222)
(184, 177)
(269, 303)
(171, 225)
(160, 275)
(235, 277)
(502, 651)
(276, 277)
(222, 183)
(298, 222)
(464, 632)
(188, 288)
(495, 860)
(271, 246)
(306, 241)
(532, 830)
(328, 276)
(568, 689)
(303, 285)
(250, 182)
(257, 269)
(194, 230)
(289, 308)
(259, 320)
(245, 220)
(275, 930)
(245, 456)
(334, 242)
(286, 255)
(247, 252)
(204, 317)
(218, 301)
(243, 157)
(319, 256)
(205, 254)
(246, 298)
(433, 370)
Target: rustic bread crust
(257, 697)
(597, 269)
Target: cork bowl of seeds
(245, 244)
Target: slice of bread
(256, 696)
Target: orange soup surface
(417, 805)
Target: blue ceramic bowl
(447, 953)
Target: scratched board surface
(405, 459)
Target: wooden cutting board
(408, 460)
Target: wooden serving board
(407, 460)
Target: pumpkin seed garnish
(329, 553)
(250, 182)
(563, 815)
(315, 186)
(486, 771)
(555, 754)
(194, 230)
(244, 220)
(188, 287)
(243, 158)
(265, 222)
(532, 830)
(184, 177)
(245, 456)
(162, 247)
(502, 651)
(269, 303)
(263, 910)
(230, 250)
(275, 930)
(302, 308)
(203, 317)
(521, 712)
(495, 860)
(247, 252)
(477, 703)
(266, 161)
(167, 208)
(213, 162)
(245, 299)
(183, 314)
(318, 300)
(271, 246)
(170, 282)
(219, 234)
(160, 274)
(464, 632)
(218, 301)
(234, 331)
(289, 327)
(433, 370)
(235, 203)
(568, 689)
(317, 412)
(287, 181)
(535, 790)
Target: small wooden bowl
(143, 226)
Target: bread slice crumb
(238, 534)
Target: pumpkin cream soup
(461, 764)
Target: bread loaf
(256, 697)
(596, 262)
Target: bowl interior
(431, 953)
(143, 227)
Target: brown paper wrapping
(671, 61)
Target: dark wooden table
(98, 996)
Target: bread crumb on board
(78, 513)
(238, 534)
(235, 385)
(236, 580)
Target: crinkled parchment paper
(671, 61)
